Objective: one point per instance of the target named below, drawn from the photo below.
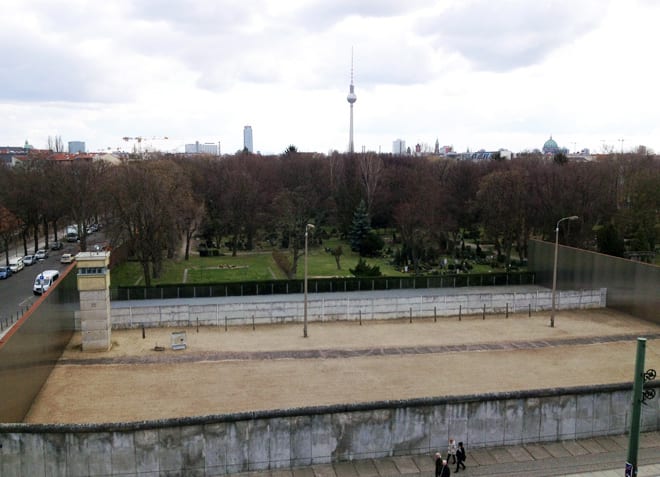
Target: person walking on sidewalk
(460, 457)
(451, 452)
(438, 464)
(444, 470)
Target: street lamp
(554, 269)
(307, 228)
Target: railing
(319, 285)
(6, 321)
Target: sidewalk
(595, 457)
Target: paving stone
(575, 448)
(537, 451)
(608, 444)
(519, 454)
(592, 446)
(481, 457)
(502, 455)
(386, 467)
(424, 463)
(303, 472)
(405, 464)
(365, 468)
(555, 449)
(323, 470)
(345, 469)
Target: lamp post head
(310, 226)
(573, 217)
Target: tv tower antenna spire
(351, 98)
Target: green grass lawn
(250, 266)
(246, 266)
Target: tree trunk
(189, 234)
(145, 272)
(45, 233)
(36, 237)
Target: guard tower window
(92, 271)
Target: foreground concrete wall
(219, 445)
(326, 308)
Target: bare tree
(371, 169)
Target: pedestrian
(444, 470)
(438, 464)
(460, 456)
(451, 451)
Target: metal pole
(638, 387)
(554, 277)
(554, 268)
(307, 227)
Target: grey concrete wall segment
(29, 354)
(271, 440)
(631, 286)
(346, 306)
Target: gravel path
(273, 367)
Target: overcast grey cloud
(472, 73)
(509, 34)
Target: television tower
(351, 98)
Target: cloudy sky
(477, 74)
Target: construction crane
(139, 139)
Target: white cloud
(469, 72)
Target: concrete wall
(325, 308)
(219, 445)
(31, 348)
(632, 287)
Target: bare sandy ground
(82, 390)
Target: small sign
(179, 340)
(629, 470)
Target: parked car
(44, 281)
(57, 245)
(16, 264)
(29, 260)
(5, 272)
(67, 258)
(42, 254)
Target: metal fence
(319, 285)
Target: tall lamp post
(307, 228)
(554, 268)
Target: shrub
(363, 269)
(283, 262)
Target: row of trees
(157, 206)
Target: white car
(16, 264)
(67, 258)
(42, 254)
(29, 260)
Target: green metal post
(638, 388)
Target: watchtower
(94, 287)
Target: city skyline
(473, 75)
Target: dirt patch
(169, 386)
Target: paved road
(16, 292)
(595, 457)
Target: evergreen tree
(360, 227)
(610, 241)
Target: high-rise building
(76, 146)
(351, 98)
(399, 147)
(247, 139)
(205, 148)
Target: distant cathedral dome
(550, 146)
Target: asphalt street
(16, 292)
